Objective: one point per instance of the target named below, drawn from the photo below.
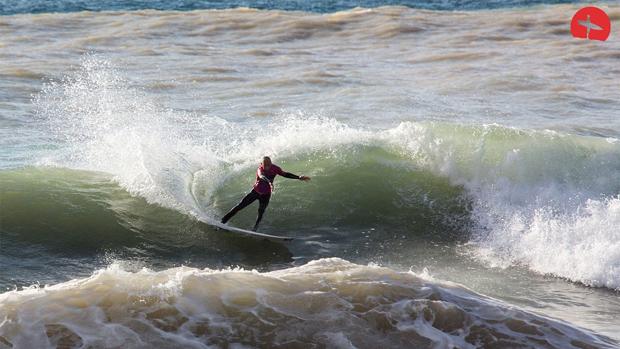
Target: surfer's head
(266, 162)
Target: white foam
(583, 246)
(329, 302)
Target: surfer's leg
(263, 202)
(248, 199)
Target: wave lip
(329, 302)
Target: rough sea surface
(465, 164)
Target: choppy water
(472, 158)
(8, 7)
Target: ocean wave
(79, 210)
(521, 188)
(325, 303)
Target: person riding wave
(262, 189)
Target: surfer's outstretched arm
(294, 176)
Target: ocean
(464, 156)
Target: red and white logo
(590, 23)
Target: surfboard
(250, 233)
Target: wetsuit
(261, 191)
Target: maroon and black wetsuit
(261, 191)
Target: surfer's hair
(266, 158)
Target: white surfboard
(250, 233)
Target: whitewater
(465, 192)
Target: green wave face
(85, 220)
(362, 187)
(78, 210)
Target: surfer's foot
(223, 221)
(255, 228)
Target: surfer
(262, 189)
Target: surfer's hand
(304, 178)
